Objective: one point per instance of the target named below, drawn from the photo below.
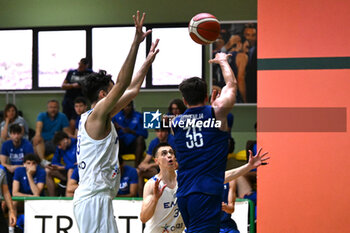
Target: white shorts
(95, 215)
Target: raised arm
(151, 195)
(135, 85)
(104, 108)
(254, 162)
(103, 112)
(224, 102)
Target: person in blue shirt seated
(132, 135)
(29, 180)
(227, 224)
(72, 183)
(147, 167)
(128, 180)
(47, 124)
(13, 152)
(80, 106)
(66, 149)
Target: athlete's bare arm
(135, 85)
(151, 195)
(97, 125)
(229, 207)
(254, 162)
(224, 102)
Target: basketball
(204, 28)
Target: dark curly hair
(94, 83)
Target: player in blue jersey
(201, 149)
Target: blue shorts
(200, 212)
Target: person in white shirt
(97, 147)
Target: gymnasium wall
(303, 115)
(44, 13)
(34, 13)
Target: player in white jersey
(97, 147)
(159, 209)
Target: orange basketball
(204, 28)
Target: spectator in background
(128, 180)
(72, 85)
(48, 123)
(80, 106)
(238, 61)
(66, 150)
(249, 33)
(132, 135)
(72, 183)
(11, 117)
(147, 167)
(29, 180)
(4, 192)
(13, 151)
(176, 107)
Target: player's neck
(168, 176)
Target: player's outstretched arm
(224, 102)
(135, 85)
(254, 162)
(151, 194)
(104, 108)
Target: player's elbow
(232, 84)
(143, 218)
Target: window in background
(59, 51)
(110, 47)
(16, 59)
(179, 57)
